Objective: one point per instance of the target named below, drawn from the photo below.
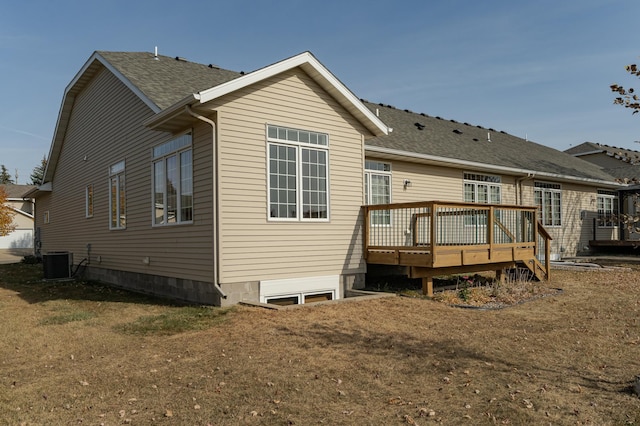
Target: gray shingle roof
(466, 142)
(16, 191)
(628, 159)
(166, 80)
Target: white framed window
(607, 208)
(88, 201)
(482, 189)
(377, 189)
(117, 196)
(173, 182)
(296, 291)
(298, 174)
(548, 199)
(45, 217)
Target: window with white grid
(298, 174)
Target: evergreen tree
(38, 172)
(5, 177)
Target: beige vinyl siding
(105, 127)
(252, 246)
(577, 227)
(429, 183)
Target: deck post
(490, 230)
(427, 286)
(365, 241)
(434, 230)
(500, 276)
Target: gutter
(215, 244)
(489, 167)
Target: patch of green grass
(176, 320)
(67, 317)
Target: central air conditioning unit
(57, 265)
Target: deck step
(530, 269)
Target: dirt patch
(568, 359)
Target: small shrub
(31, 259)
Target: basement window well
(297, 291)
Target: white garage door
(18, 239)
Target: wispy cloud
(23, 132)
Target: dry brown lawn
(70, 356)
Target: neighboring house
(455, 161)
(19, 241)
(203, 184)
(624, 165)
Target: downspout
(215, 245)
(519, 187)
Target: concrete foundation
(196, 292)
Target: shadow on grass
(441, 355)
(27, 280)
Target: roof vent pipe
(488, 136)
(155, 54)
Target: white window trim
(300, 287)
(299, 192)
(163, 157)
(121, 168)
(614, 207)
(473, 220)
(88, 201)
(367, 181)
(551, 190)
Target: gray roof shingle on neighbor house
(628, 159)
(427, 135)
(16, 191)
(166, 80)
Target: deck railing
(431, 227)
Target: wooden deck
(458, 240)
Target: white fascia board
(589, 153)
(67, 102)
(302, 60)
(170, 112)
(408, 156)
(30, 216)
(120, 76)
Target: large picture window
(377, 189)
(548, 198)
(117, 197)
(607, 208)
(173, 182)
(298, 169)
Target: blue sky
(539, 70)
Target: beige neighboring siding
(254, 248)
(429, 183)
(579, 206)
(105, 128)
(603, 160)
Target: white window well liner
(299, 287)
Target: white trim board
(298, 286)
